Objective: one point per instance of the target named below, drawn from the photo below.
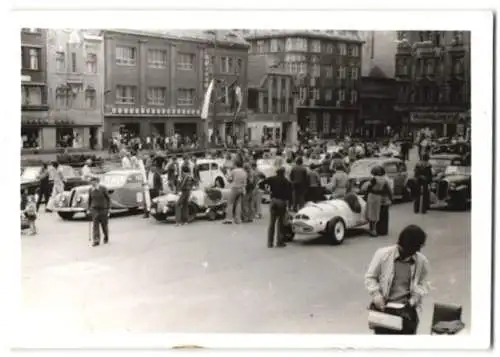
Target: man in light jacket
(398, 274)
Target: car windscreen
(363, 167)
(113, 179)
(30, 173)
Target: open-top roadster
(331, 218)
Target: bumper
(167, 210)
(69, 209)
(306, 229)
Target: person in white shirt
(126, 164)
(86, 172)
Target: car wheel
(336, 231)
(66, 215)
(212, 215)
(160, 217)
(192, 210)
(219, 182)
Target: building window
(226, 64)
(156, 95)
(60, 62)
(34, 59)
(341, 72)
(185, 61)
(401, 35)
(350, 51)
(354, 97)
(328, 95)
(458, 66)
(90, 98)
(341, 95)
(342, 49)
(314, 59)
(62, 97)
(355, 73)
(329, 71)
(125, 56)
(326, 122)
(457, 38)
(274, 45)
(316, 70)
(260, 46)
(316, 46)
(91, 63)
(303, 67)
(185, 96)
(125, 94)
(430, 68)
(315, 94)
(31, 95)
(239, 65)
(157, 58)
(31, 30)
(296, 44)
(73, 62)
(329, 48)
(355, 51)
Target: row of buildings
(82, 87)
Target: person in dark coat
(99, 204)
(281, 194)
(186, 183)
(157, 188)
(43, 188)
(423, 178)
(300, 181)
(382, 226)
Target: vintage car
(330, 218)
(360, 174)
(210, 172)
(203, 202)
(31, 183)
(125, 188)
(440, 162)
(452, 187)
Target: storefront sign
(435, 117)
(147, 111)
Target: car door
(131, 191)
(205, 175)
(392, 171)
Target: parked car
(125, 188)
(30, 181)
(440, 162)
(452, 187)
(330, 218)
(209, 202)
(360, 174)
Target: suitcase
(383, 221)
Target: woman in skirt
(382, 226)
(377, 189)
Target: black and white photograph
(280, 179)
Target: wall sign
(147, 111)
(436, 117)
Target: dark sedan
(452, 187)
(31, 182)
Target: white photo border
(480, 23)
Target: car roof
(445, 156)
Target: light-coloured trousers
(233, 210)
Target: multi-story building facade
(75, 78)
(34, 108)
(155, 81)
(271, 103)
(326, 66)
(433, 74)
(377, 98)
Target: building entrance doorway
(186, 129)
(158, 129)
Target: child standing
(30, 213)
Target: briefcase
(390, 318)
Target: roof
(348, 36)
(223, 37)
(259, 67)
(377, 72)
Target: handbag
(391, 318)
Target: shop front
(440, 123)
(275, 127)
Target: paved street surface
(209, 277)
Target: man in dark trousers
(300, 182)
(157, 188)
(99, 203)
(281, 194)
(43, 189)
(423, 178)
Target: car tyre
(66, 215)
(192, 210)
(160, 217)
(219, 182)
(212, 215)
(336, 231)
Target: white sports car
(330, 218)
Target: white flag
(206, 101)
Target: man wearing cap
(99, 203)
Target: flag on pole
(206, 102)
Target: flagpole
(214, 118)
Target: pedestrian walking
(99, 205)
(248, 197)
(281, 193)
(377, 188)
(258, 192)
(186, 184)
(422, 178)
(398, 274)
(58, 185)
(238, 180)
(43, 188)
(300, 181)
(382, 226)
